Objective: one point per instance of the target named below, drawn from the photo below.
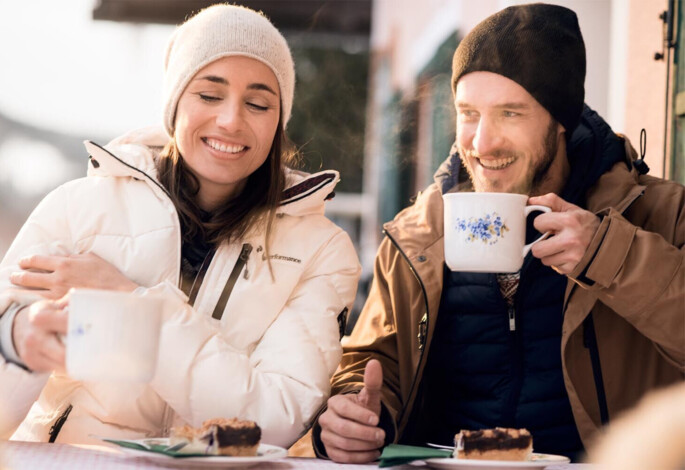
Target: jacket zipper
(59, 422)
(200, 276)
(590, 342)
(516, 342)
(423, 325)
(515, 339)
(218, 310)
(232, 279)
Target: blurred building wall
(643, 79)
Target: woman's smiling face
(225, 125)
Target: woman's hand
(35, 334)
(55, 275)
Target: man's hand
(35, 334)
(572, 229)
(349, 427)
(55, 275)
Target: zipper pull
(423, 331)
(512, 319)
(245, 256)
(245, 252)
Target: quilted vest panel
(481, 374)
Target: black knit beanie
(539, 47)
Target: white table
(32, 455)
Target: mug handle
(527, 210)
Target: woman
(254, 275)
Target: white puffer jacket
(268, 359)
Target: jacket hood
(450, 172)
(592, 150)
(134, 153)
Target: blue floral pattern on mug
(80, 329)
(488, 229)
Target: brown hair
(232, 220)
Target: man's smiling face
(507, 141)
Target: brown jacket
(632, 280)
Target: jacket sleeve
(45, 232)
(284, 381)
(374, 337)
(640, 275)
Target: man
(598, 309)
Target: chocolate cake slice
(219, 436)
(233, 436)
(494, 444)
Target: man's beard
(535, 177)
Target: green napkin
(396, 454)
(154, 448)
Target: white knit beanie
(219, 31)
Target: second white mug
(112, 336)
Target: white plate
(537, 461)
(265, 453)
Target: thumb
(370, 396)
(63, 302)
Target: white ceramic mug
(486, 232)
(112, 336)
